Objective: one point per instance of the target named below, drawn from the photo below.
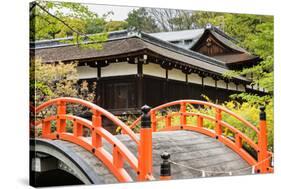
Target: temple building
(137, 68)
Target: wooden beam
(140, 85)
(216, 83)
(98, 72)
(186, 78)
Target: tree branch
(63, 22)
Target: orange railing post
(77, 129)
(153, 121)
(168, 121)
(263, 162)
(199, 121)
(183, 116)
(96, 121)
(165, 167)
(238, 141)
(46, 128)
(218, 128)
(145, 146)
(61, 123)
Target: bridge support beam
(145, 146)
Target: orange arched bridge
(168, 144)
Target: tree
(49, 81)
(50, 20)
(256, 35)
(140, 20)
(115, 25)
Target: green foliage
(49, 20)
(49, 81)
(116, 25)
(140, 20)
(128, 119)
(255, 33)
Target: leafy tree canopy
(49, 20)
(140, 20)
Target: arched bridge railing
(261, 164)
(113, 160)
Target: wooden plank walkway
(186, 147)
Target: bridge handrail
(114, 162)
(197, 102)
(237, 145)
(91, 106)
(105, 134)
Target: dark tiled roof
(235, 58)
(124, 42)
(73, 52)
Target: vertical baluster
(77, 129)
(96, 121)
(61, 110)
(199, 121)
(238, 140)
(153, 120)
(183, 116)
(118, 160)
(46, 129)
(168, 121)
(218, 128)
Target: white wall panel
(232, 86)
(86, 72)
(209, 81)
(176, 74)
(194, 78)
(221, 84)
(241, 88)
(118, 69)
(154, 70)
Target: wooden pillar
(202, 83)
(252, 78)
(216, 83)
(226, 82)
(99, 98)
(166, 88)
(140, 84)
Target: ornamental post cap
(165, 155)
(145, 109)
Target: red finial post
(145, 146)
(263, 162)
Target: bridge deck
(186, 147)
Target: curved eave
(220, 39)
